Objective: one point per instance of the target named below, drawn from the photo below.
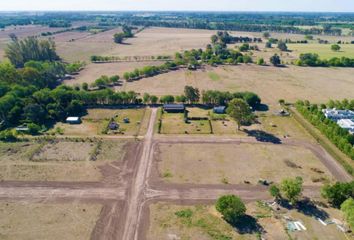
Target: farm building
(219, 109)
(336, 115)
(73, 120)
(174, 108)
(347, 124)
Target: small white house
(73, 120)
(347, 124)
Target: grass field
(58, 160)
(230, 163)
(290, 83)
(96, 120)
(47, 221)
(323, 50)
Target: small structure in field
(113, 125)
(282, 113)
(22, 128)
(174, 108)
(126, 120)
(335, 114)
(73, 120)
(219, 110)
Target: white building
(336, 115)
(347, 124)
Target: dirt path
(136, 195)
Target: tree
(266, 35)
(337, 193)
(244, 47)
(268, 45)
(275, 192)
(231, 207)
(335, 47)
(118, 38)
(146, 98)
(154, 99)
(282, 46)
(192, 94)
(275, 60)
(291, 189)
(31, 48)
(240, 111)
(85, 86)
(260, 61)
(347, 208)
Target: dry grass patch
(231, 163)
(58, 160)
(47, 221)
(173, 123)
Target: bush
(231, 207)
(33, 129)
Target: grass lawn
(323, 50)
(47, 221)
(234, 164)
(214, 76)
(173, 123)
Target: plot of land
(290, 83)
(231, 163)
(96, 121)
(173, 123)
(47, 221)
(169, 221)
(58, 161)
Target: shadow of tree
(247, 225)
(263, 136)
(262, 108)
(308, 208)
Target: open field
(229, 163)
(58, 160)
(47, 221)
(323, 50)
(96, 121)
(270, 83)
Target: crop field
(171, 221)
(270, 83)
(58, 160)
(323, 50)
(230, 163)
(47, 221)
(96, 121)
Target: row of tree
(127, 33)
(337, 135)
(313, 60)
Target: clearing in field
(96, 122)
(47, 221)
(236, 163)
(58, 160)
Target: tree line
(337, 135)
(127, 33)
(313, 60)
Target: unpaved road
(126, 198)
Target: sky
(180, 5)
